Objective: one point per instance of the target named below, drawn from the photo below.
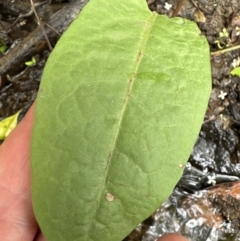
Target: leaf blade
(236, 71)
(117, 107)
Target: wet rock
(195, 210)
(215, 148)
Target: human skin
(172, 237)
(17, 220)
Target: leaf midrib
(127, 96)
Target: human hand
(17, 221)
(172, 237)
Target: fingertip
(29, 117)
(21, 132)
(172, 237)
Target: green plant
(7, 125)
(236, 71)
(3, 46)
(223, 41)
(32, 62)
(121, 102)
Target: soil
(202, 205)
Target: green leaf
(32, 62)
(121, 103)
(236, 71)
(7, 125)
(3, 46)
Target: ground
(202, 206)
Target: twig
(177, 9)
(196, 6)
(222, 51)
(21, 16)
(39, 24)
(53, 29)
(150, 2)
(24, 15)
(35, 41)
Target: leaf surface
(7, 125)
(236, 71)
(121, 102)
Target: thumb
(172, 237)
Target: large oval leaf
(121, 103)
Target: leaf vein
(127, 97)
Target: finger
(17, 221)
(172, 237)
